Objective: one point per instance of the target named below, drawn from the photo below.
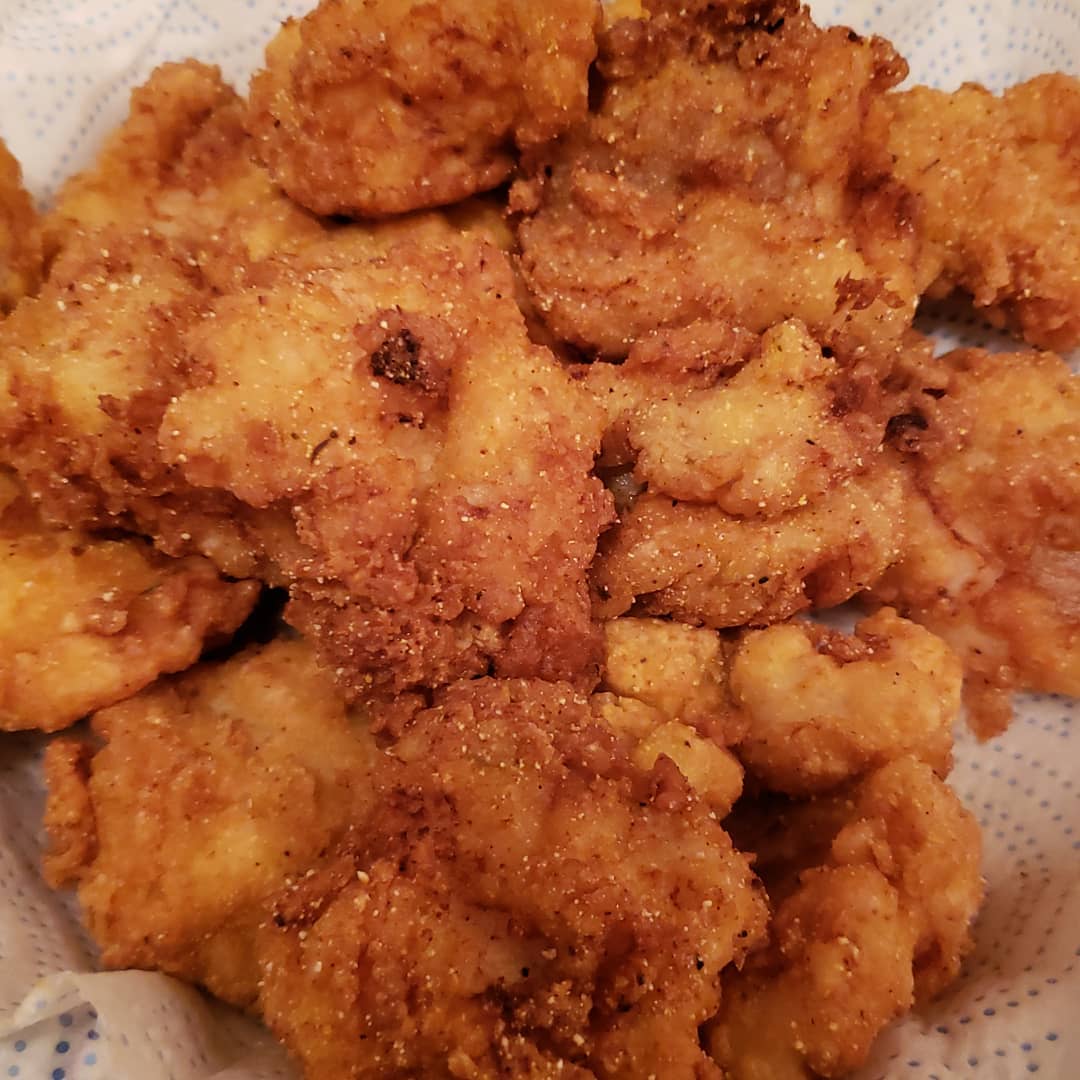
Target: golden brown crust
(20, 236)
(86, 622)
(377, 107)
(991, 559)
(997, 177)
(872, 913)
(574, 909)
(708, 182)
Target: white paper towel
(66, 67)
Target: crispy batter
(536, 905)
(873, 913)
(697, 563)
(822, 707)
(992, 556)
(86, 622)
(728, 168)
(20, 236)
(409, 463)
(181, 164)
(999, 182)
(755, 426)
(210, 793)
(376, 107)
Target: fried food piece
(728, 168)
(20, 235)
(534, 905)
(181, 164)
(991, 561)
(881, 921)
(754, 426)
(377, 107)
(435, 463)
(823, 707)
(699, 564)
(86, 622)
(409, 463)
(211, 792)
(999, 183)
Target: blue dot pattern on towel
(66, 69)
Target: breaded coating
(365, 421)
(20, 236)
(86, 621)
(755, 426)
(181, 164)
(822, 707)
(727, 168)
(999, 184)
(533, 904)
(377, 107)
(434, 462)
(699, 564)
(211, 792)
(991, 561)
(873, 915)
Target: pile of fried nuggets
(540, 771)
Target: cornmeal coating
(181, 165)
(991, 448)
(20, 235)
(211, 792)
(998, 178)
(534, 904)
(701, 565)
(872, 914)
(728, 168)
(377, 107)
(823, 707)
(363, 420)
(86, 621)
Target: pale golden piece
(991, 561)
(181, 164)
(998, 179)
(86, 621)
(728, 168)
(528, 902)
(20, 236)
(875, 891)
(822, 707)
(212, 791)
(377, 107)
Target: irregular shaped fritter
(999, 183)
(86, 621)
(365, 421)
(755, 426)
(728, 168)
(211, 792)
(376, 107)
(822, 707)
(873, 914)
(991, 561)
(435, 463)
(181, 164)
(528, 903)
(20, 235)
(699, 564)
